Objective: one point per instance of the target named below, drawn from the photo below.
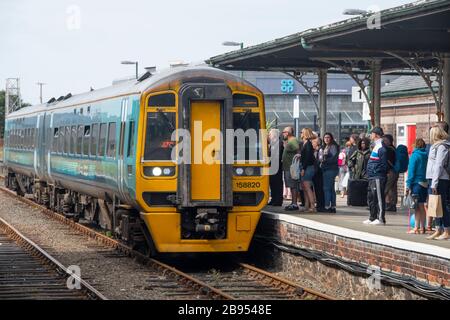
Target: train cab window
(73, 142)
(244, 100)
(86, 140)
(80, 134)
(111, 153)
(102, 140)
(158, 140)
(162, 100)
(94, 140)
(250, 123)
(67, 141)
(131, 140)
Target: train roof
(124, 88)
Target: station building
(280, 90)
(408, 109)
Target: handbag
(295, 168)
(409, 202)
(435, 206)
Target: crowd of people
(368, 172)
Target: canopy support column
(446, 88)
(323, 75)
(376, 93)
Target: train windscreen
(158, 140)
(248, 123)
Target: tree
(2, 111)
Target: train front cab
(203, 206)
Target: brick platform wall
(434, 270)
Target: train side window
(67, 140)
(55, 139)
(22, 138)
(73, 142)
(61, 140)
(26, 138)
(94, 140)
(102, 140)
(31, 138)
(80, 135)
(86, 140)
(131, 139)
(111, 153)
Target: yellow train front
(201, 177)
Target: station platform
(344, 235)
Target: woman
(343, 169)
(357, 163)
(354, 145)
(438, 179)
(330, 169)
(318, 177)
(417, 184)
(308, 169)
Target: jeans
(391, 189)
(329, 177)
(443, 191)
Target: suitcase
(357, 193)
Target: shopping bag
(435, 206)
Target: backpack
(447, 158)
(401, 159)
(341, 159)
(295, 168)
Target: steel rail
(37, 251)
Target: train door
(406, 135)
(126, 149)
(206, 150)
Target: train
(110, 158)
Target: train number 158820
(248, 185)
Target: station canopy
(419, 30)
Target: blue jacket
(417, 168)
(377, 165)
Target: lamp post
(40, 84)
(137, 66)
(235, 44)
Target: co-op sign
(287, 86)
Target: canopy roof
(422, 27)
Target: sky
(74, 45)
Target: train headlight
(239, 171)
(167, 171)
(249, 171)
(157, 171)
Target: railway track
(28, 272)
(244, 282)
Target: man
(392, 176)
(291, 148)
(376, 172)
(276, 180)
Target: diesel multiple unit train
(107, 157)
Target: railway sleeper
(122, 221)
